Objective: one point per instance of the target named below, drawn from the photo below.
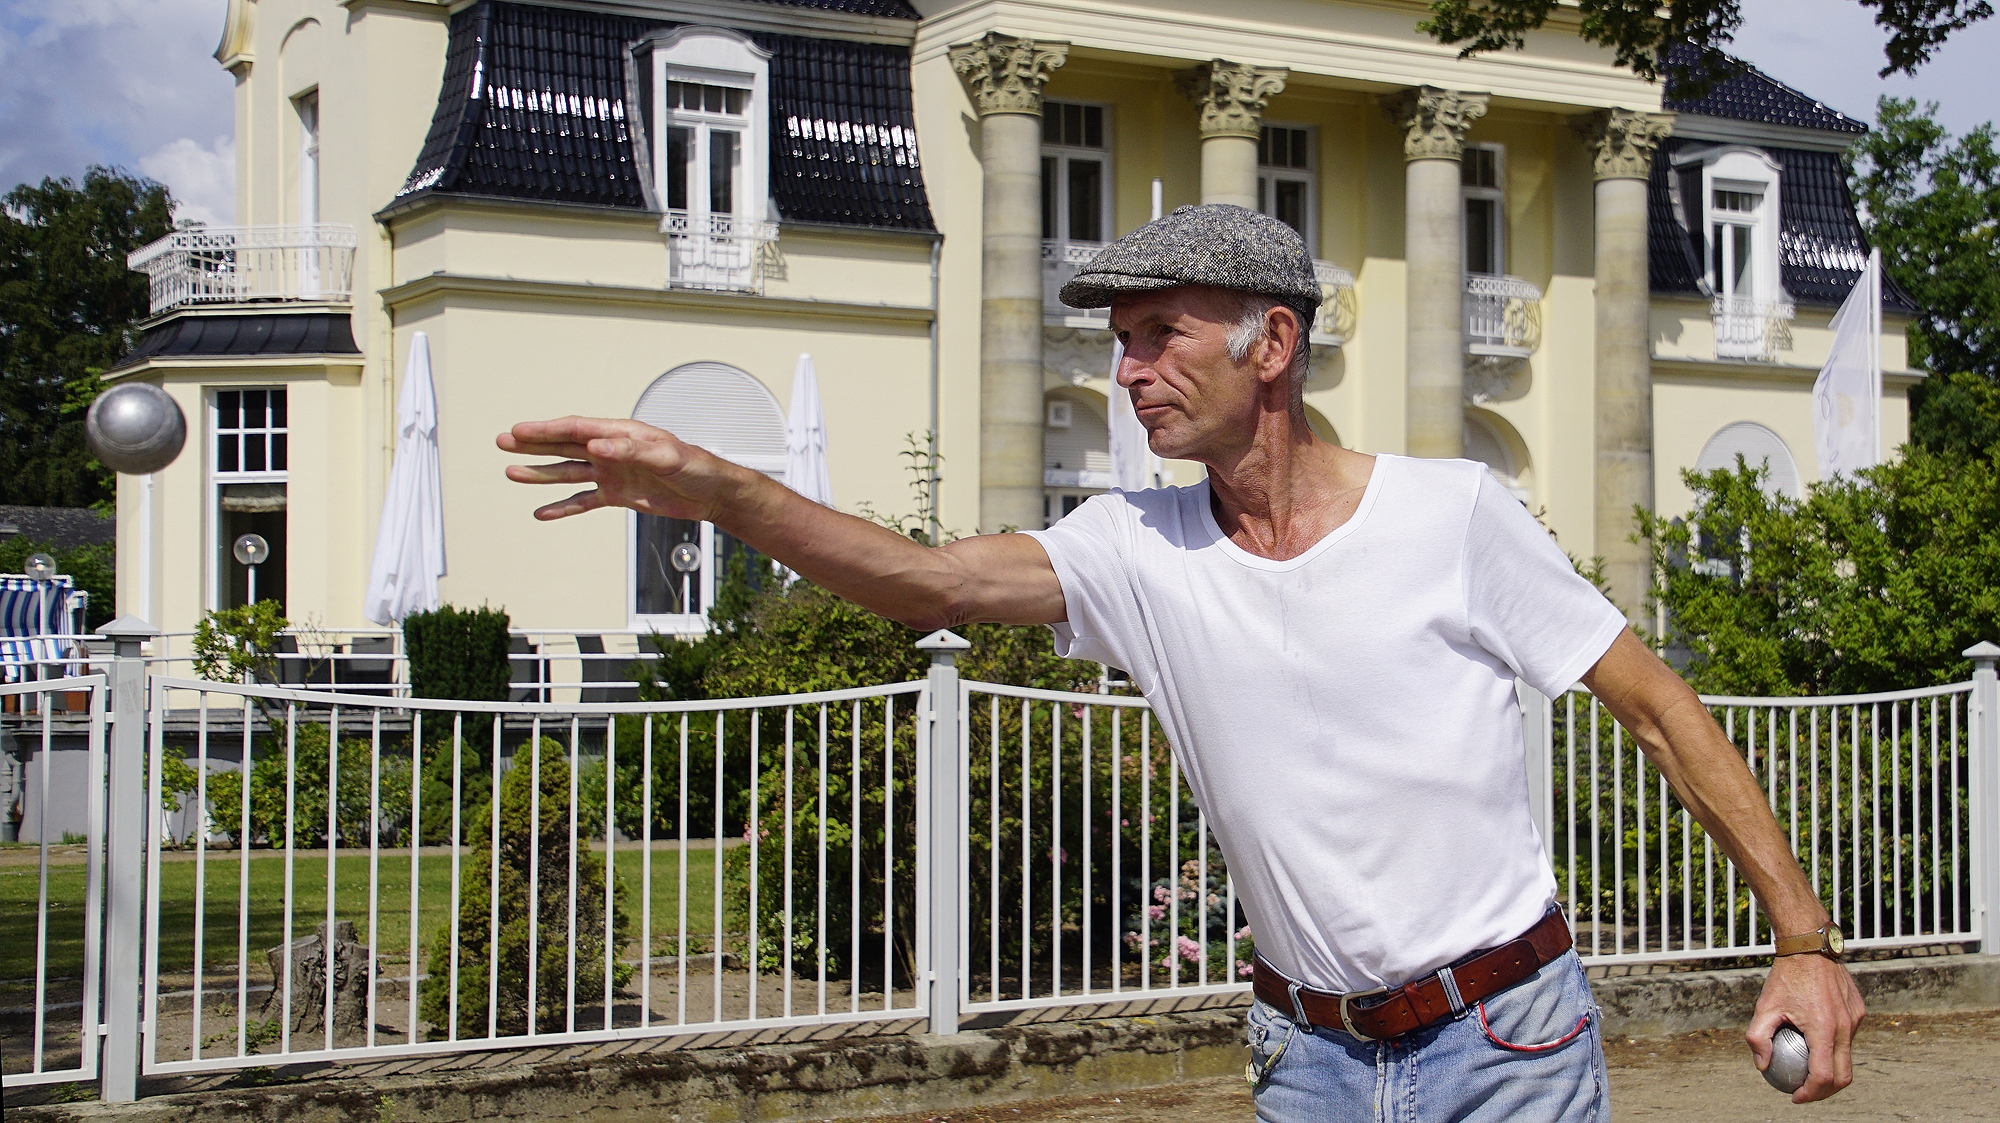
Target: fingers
(575, 505)
(566, 472)
(563, 431)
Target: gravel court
(1938, 1068)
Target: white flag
(1847, 398)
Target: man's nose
(1133, 373)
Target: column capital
(1231, 95)
(1006, 73)
(1622, 141)
(1434, 120)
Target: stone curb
(917, 1073)
(1648, 1005)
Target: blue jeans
(1530, 1053)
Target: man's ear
(1282, 337)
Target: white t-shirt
(1347, 719)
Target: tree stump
(309, 970)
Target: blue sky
(132, 83)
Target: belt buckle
(1346, 1021)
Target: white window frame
(714, 56)
(212, 451)
(1063, 153)
(708, 581)
(1744, 331)
(1268, 176)
(1498, 195)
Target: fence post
(124, 849)
(1985, 795)
(946, 842)
(1535, 712)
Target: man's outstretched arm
(1682, 740)
(994, 578)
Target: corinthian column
(1622, 143)
(1005, 75)
(1231, 97)
(1434, 123)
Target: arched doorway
(1493, 442)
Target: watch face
(1835, 942)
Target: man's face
(1193, 399)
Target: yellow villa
(653, 208)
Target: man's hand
(1818, 997)
(632, 464)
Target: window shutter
(1759, 447)
(721, 409)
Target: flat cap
(1212, 244)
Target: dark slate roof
(267, 333)
(887, 9)
(1756, 96)
(1821, 245)
(536, 104)
(62, 527)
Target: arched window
(1760, 448)
(1487, 442)
(677, 563)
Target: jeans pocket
(1541, 1015)
(1269, 1034)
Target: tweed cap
(1212, 244)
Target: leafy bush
(462, 654)
(533, 907)
(239, 644)
(313, 755)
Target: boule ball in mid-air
(135, 428)
(1787, 1069)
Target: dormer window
(1730, 197)
(710, 148)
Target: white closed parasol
(409, 546)
(805, 437)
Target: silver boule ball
(1788, 1060)
(135, 428)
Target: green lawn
(19, 888)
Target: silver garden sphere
(135, 428)
(251, 549)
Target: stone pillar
(1005, 75)
(1231, 97)
(1434, 123)
(1622, 143)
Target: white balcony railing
(1061, 260)
(248, 264)
(1751, 329)
(716, 251)
(1503, 316)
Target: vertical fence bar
(1984, 749)
(124, 842)
(944, 973)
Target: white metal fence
(286, 875)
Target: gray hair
(1249, 326)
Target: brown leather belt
(1383, 1013)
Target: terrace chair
(603, 670)
(369, 672)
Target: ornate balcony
(1334, 325)
(1503, 316)
(1752, 330)
(716, 251)
(248, 265)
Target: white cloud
(116, 82)
(201, 180)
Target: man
(1331, 641)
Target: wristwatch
(1825, 940)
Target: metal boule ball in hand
(1789, 1055)
(135, 428)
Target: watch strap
(1815, 940)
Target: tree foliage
(67, 309)
(1932, 205)
(1642, 32)
(1870, 583)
